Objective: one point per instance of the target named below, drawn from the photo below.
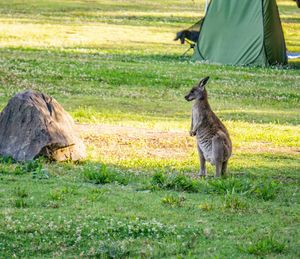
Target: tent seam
(264, 42)
(207, 10)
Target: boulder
(34, 124)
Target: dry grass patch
(125, 142)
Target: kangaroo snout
(189, 97)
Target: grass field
(114, 66)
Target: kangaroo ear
(203, 82)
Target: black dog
(185, 34)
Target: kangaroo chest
(204, 141)
(204, 135)
(195, 115)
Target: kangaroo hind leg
(224, 168)
(202, 172)
(218, 154)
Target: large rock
(34, 124)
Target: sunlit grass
(53, 28)
(85, 36)
(115, 68)
(274, 134)
(143, 146)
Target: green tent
(241, 32)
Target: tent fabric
(274, 40)
(241, 32)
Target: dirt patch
(125, 141)
(96, 129)
(122, 140)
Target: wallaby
(213, 141)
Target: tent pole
(206, 5)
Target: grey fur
(213, 141)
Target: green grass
(114, 66)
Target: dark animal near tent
(213, 141)
(186, 34)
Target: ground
(116, 70)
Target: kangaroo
(213, 141)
